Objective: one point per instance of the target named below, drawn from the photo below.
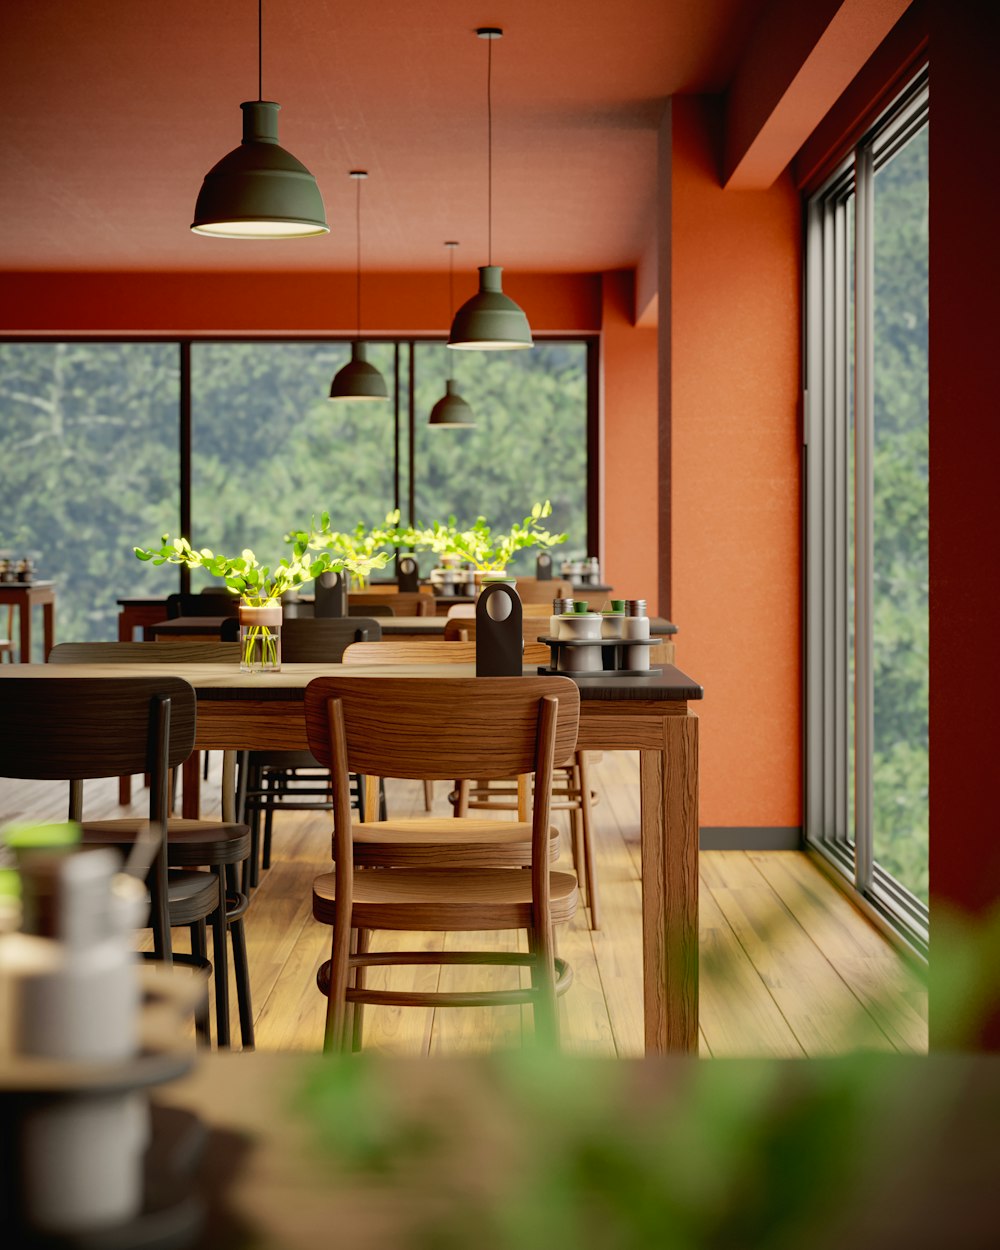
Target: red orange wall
(630, 432)
(274, 303)
(733, 397)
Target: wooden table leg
(24, 624)
(49, 627)
(669, 800)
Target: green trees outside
(901, 629)
(90, 456)
(89, 441)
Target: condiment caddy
(591, 644)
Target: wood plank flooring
(788, 966)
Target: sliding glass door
(867, 641)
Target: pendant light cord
(451, 298)
(358, 221)
(489, 149)
(260, 49)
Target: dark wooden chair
(209, 603)
(439, 728)
(78, 728)
(220, 847)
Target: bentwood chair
(440, 727)
(218, 846)
(423, 840)
(78, 728)
(571, 792)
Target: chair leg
(543, 979)
(272, 782)
(241, 967)
(589, 871)
(462, 802)
(336, 1005)
(428, 796)
(202, 1016)
(357, 1023)
(220, 961)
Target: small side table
(25, 596)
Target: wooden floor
(788, 966)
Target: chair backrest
(459, 629)
(410, 651)
(145, 653)
(319, 640)
(73, 728)
(402, 603)
(433, 728)
(369, 609)
(537, 590)
(208, 603)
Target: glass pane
(900, 764)
(270, 451)
(89, 445)
(851, 761)
(529, 442)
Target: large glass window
(94, 439)
(529, 442)
(89, 449)
(867, 515)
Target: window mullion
(864, 447)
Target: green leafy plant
(361, 549)
(258, 584)
(485, 549)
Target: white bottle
(636, 625)
(69, 991)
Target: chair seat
(190, 843)
(444, 899)
(192, 896)
(430, 842)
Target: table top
(227, 682)
(34, 584)
(208, 625)
(453, 1139)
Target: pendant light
(451, 411)
(259, 191)
(358, 379)
(490, 321)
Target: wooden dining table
(650, 714)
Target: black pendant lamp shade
(490, 321)
(259, 191)
(358, 379)
(451, 410)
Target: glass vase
(260, 638)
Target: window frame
(837, 474)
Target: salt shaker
(636, 625)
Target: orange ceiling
(115, 109)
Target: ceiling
(115, 109)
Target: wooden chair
(402, 602)
(511, 846)
(209, 602)
(293, 780)
(437, 728)
(218, 846)
(571, 790)
(76, 728)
